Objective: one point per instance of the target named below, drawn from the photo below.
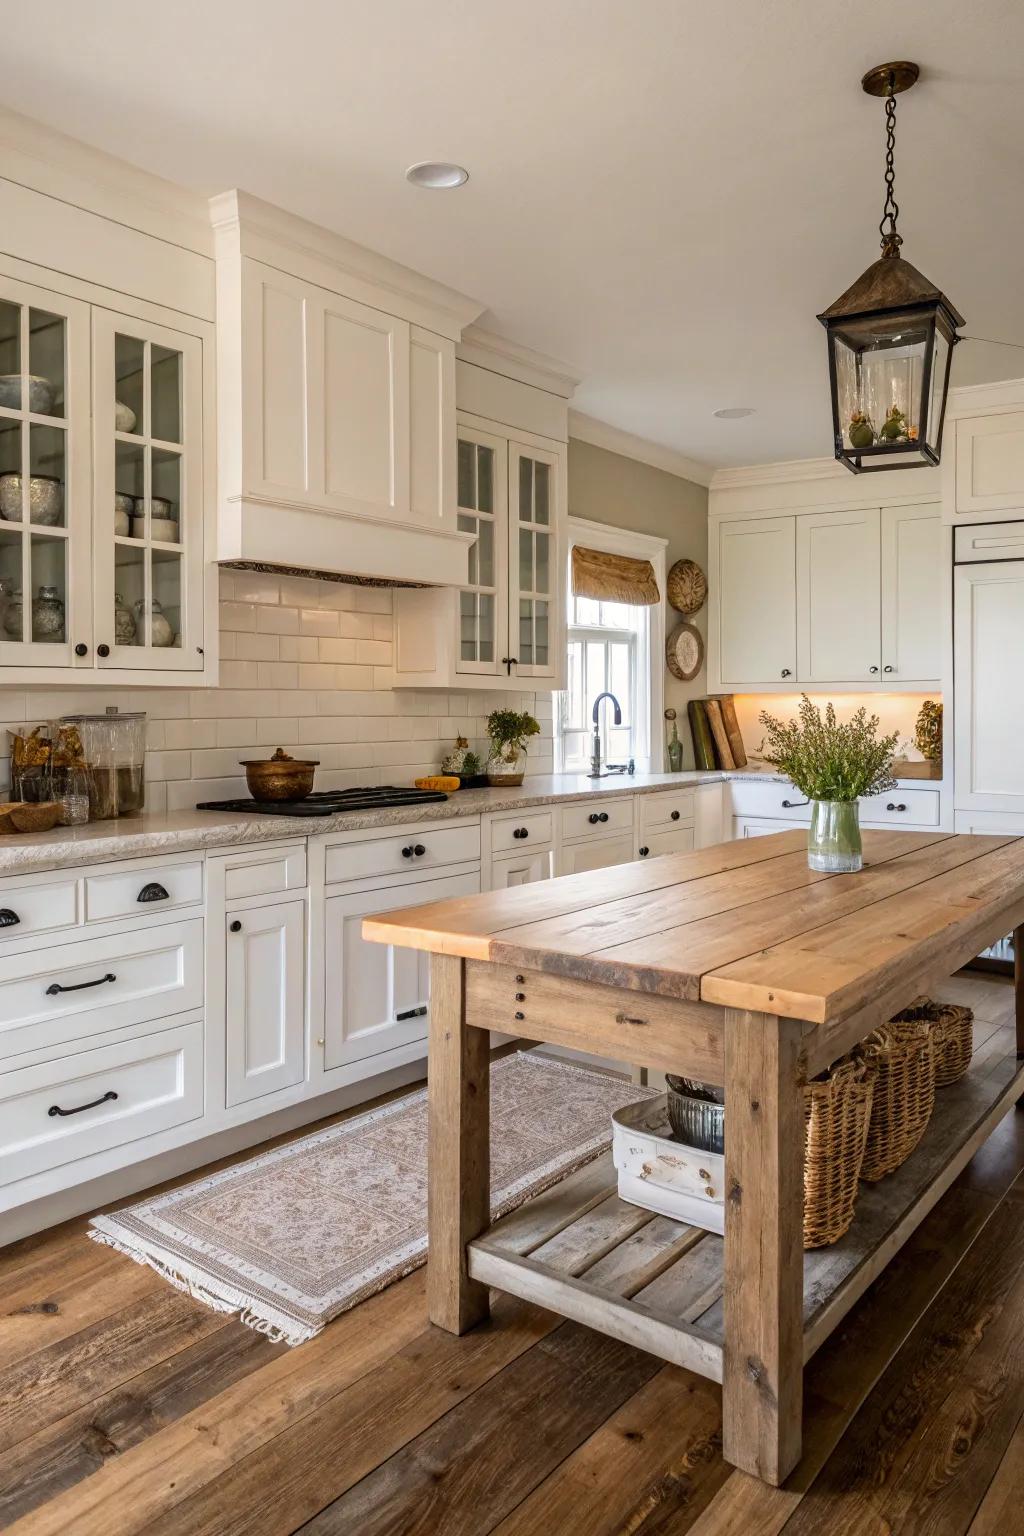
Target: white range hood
(336, 403)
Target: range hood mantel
(336, 403)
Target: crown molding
(485, 349)
(64, 168)
(786, 470)
(600, 434)
(245, 223)
(966, 399)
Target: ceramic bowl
(45, 499)
(124, 417)
(159, 506)
(164, 530)
(124, 506)
(40, 393)
(25, 817)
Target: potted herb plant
(509, 731)
(832, 764)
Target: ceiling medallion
(890, 337)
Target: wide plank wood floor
(127, 1408)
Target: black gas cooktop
(328, 802)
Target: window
(611, 647)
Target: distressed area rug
(292, 1237)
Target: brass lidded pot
(281, 777)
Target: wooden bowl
(281, 777)
(26, 816)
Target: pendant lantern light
(890, 337)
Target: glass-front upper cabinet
(147, 426)
(483, 511)
(533, 549)
(45, 616)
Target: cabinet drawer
(264, 870)
(919, 807)
(781, 801)
(678, 840)
(132, 892)
(988, 541)
(105, 1097)
(511, 835)
(415, 849)
(67, 991)
(38, 906)
(665, 810)
(598, 818)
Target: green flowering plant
(827, 760)
(509, 731)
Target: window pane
(46, 362)
(467, 626)
(485, 604)
(10, 470)
(485, 553)
(10, 355)
(572, 709)
(12, 613)
(526, 490)
(525, 560)
(588, 612)
(540, 634)
(166, 524)
(49, 588)
(541, 492)
(466, 498)
(526, 633)
(129, 355)
(165, 376)
(47, 483)
(484, 478)
(595, 672)
(165, 618)
(620, 681)
(469, 525)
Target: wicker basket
(903, 1057)
(837, 1111)
(952, 1030)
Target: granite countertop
(187, 831)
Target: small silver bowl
(697, 1120)
(40, 393)
(45, 499)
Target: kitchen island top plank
(740, 924)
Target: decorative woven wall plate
(687, 587)
(684, 652)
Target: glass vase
(833, 842)
(506, 766)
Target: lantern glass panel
(937, 390)
(880, 368)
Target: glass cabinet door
(44, 478)
(148, 496)
(534, 589)
(483, 511)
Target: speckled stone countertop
(185, 831)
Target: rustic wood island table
(737, 965)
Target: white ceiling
(663, 193)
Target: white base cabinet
(265, 999)
(988, 662)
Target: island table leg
(1018, 986)
(458, 1169)
(762, 1390)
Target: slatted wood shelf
(657, 1283)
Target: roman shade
(613, 578)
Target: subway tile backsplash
(305, 664)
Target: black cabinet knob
(644, 852)
(888, 669)
(407, 852)
(872, 669)
(521, 832)
(235, 926)
(892, 806)
(603, 816)
(103, 650)
(593, 818)
(419, 850)
(81, 649)
(786, 672)
(675, 815)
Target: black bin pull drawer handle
(8, 917)
(412, 1013)
(892, 806)
(78, 986)
(793, 805)
(55, 1109)
(154, 891)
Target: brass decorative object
(890, 337)
(687, 587)
(281, 777)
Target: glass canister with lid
(114, 746)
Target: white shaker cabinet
(988, 472)
(988, 665)
(265, 999)
(838, 597)
(913, 573)
(756, 609)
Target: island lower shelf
(657, 1283)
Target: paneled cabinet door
(596, 853)
(988, 664)
(521, 869)
(535, 574)
(838, 595)
(912, 606)
(265, 999)
(483, 511)
(989, 473)
(148, 477)
(757, 602)
(377, 995)
(45, 596)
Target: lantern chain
(891, 241)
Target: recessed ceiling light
(734, 412)
(437, 174)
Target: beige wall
(609, 488)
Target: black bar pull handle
(78, 986)
(55, 1109)
(411, 1013)
(792, 805)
